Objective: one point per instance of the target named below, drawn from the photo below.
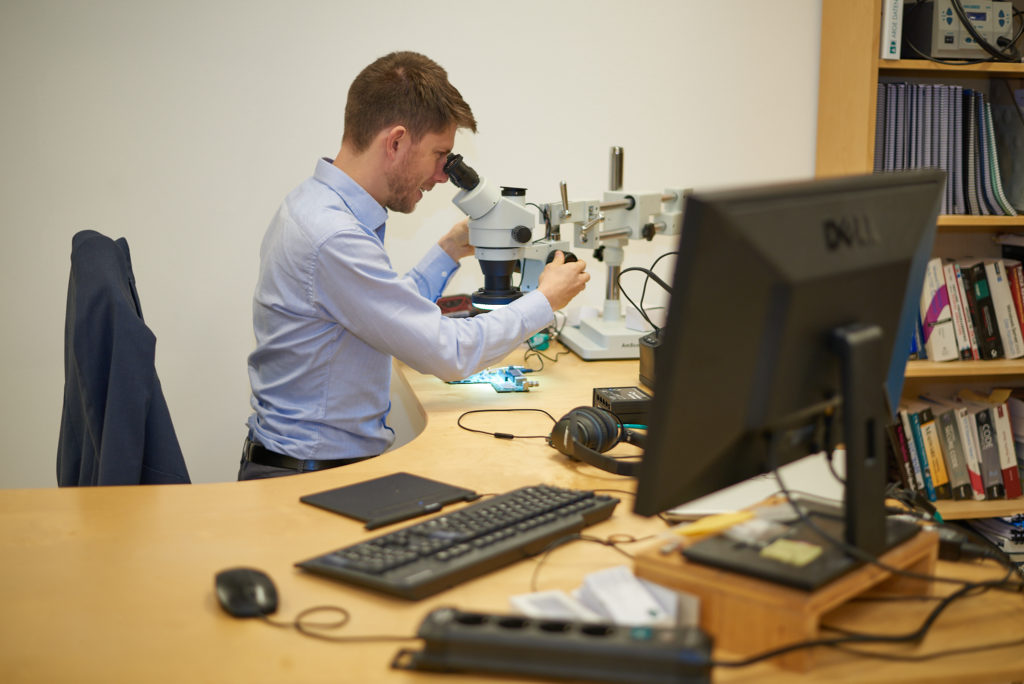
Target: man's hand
(456, 241)
(560, 281)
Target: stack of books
(1006, 532)
(966, 447)
(948, 127)
(971, 309)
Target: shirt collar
(366, 209)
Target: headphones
(586, 431)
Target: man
(329, 312)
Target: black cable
(854, 551)
(911, 637)
(651, 275)
(917, 658)
(654, 265)
(309, 628)
(577, 536)
(533, 351)
(504, 435)
(547, 221)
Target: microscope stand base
(597, 338)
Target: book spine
(1007, 452)
(991, 471)
(985, 327)
(912, 479)
(915, 461)
(897, 466)
(891, 42)
(956, 307)
(1015, 274)
(953, 453)
(933, 452)
(922, 457)
(1004, 310)
(972, 451)
(936, 319)
(968, 315)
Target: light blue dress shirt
(329, 313)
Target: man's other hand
(561, 281)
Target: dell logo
(849, 231)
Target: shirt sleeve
(433, 273)
(355, 285)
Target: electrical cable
(852, 550)
(651, 275)
(309, 628)
(611, 541)
(533, 351)
(504, 435)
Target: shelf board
(999, 368)
(962, 510)
(952, 223)
(923, 66)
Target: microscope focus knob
(522, 234)
(569, 257)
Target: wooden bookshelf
(997, 370)
(850, 70)
(957, 223)
(965, 510)
(922, 67)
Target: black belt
(257, 453)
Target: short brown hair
(403, 88)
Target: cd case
(389, 499)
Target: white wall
(181, 125)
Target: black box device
(630, 404)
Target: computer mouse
(245, 592)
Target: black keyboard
(427, 557)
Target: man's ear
(396, 139)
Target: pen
(404, 514)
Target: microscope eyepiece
(462, 175)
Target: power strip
(459, 641)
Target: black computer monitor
(788, 329)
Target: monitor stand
(748, 615)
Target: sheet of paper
(809, 475)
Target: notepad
(389, 499)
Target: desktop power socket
(631, 405)
(459, 641)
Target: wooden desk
(116, 584)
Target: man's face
(418, 169)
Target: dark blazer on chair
(115, 428)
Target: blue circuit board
(502, 379)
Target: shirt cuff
(436, 269)
(535, 309)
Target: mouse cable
(311, 628)
(613, 541)
(504, 435)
